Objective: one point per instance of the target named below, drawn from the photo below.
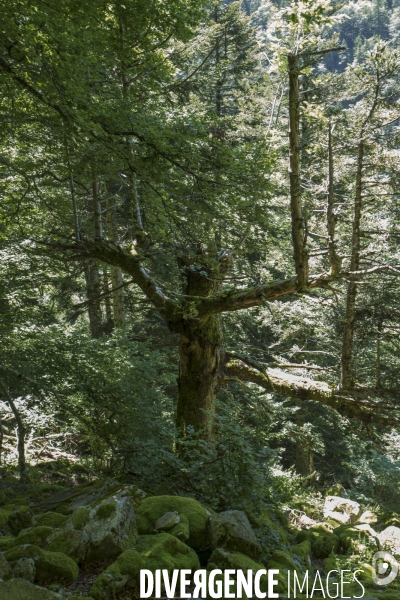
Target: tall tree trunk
(22, 464)
(302, 457)
(199, 359)
(347, 371)
(116, 272)
(93, 291)
(106, 292)
(334, 259)
(200, 343)
(300, 254)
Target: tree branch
(363, 404)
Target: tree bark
(93, 291)
(22, 465)
(334, 260)
(347, 368)
(298, 226)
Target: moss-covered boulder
(51, 519)
(342, 510)
(19, 589)
(24, 568)
(324, 544)
(164, 551)
(222, 559)
(56, 565)
(5, 569)
(71, 542)
(301, 554)
(189, 510)
(48, 565)
(20, 518)
(36, 536)
(24, 551)
(232, 530)
(356, 537)
(124, 571)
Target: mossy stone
(282, 560)
(325, 544)
(52, 519)
(330, 564)
(37, 536)
(4, 516)
(5, 569)
(56, 565)
(164, 551)
(223, 559)
(19, 589)
(154, 507)
(80, 517)
(306, 534)
(5, 542)
(24, 551)
(124, 570)
(181, 530)
(63, 509)
(106, 510)
(71, 542)
(20, 518)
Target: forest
(199, 290)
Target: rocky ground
(89, 541)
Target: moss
(106, 510)
(306, 534)
(55, 565)
(5, 542)
(325, 544)
(330, 564)
(80, 517)
(128, 564)
(19, 502)
(37, 536)
(25, 551)
(390, 595)
(19, 589)
(282, 560)
(20, 518)
(352, 537)
(152, 508)
(5, 569)
(302, 550)
(73, 543)
(163, 551)
(80, 597)
(51, 519)
(222, 559)
(4, 516)
(63, 509)
(181, 530)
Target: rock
(355, 537)
(368, 517)
(164, 551)
(301, 554)
(341, 509)
(56, 565)
(124, 571)
(19, 589)
(71, 542)
(49, 565)
(5, 569)
(20, 518)
(25, 568)
(52, 519)
(193, 518)
(232, 531)
(36, 536)
(305, 522)
(111, 528)
(325, 544)
(222, 559)
(167, 521)
(390, 538)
